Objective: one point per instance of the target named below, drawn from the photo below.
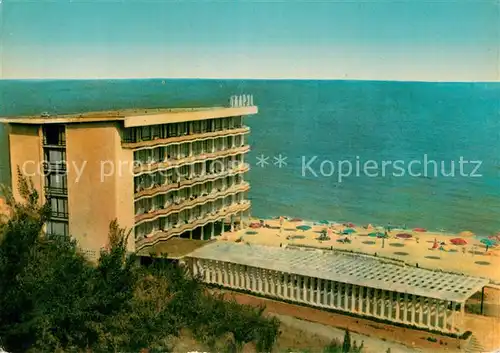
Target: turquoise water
(333, 120)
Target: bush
(53, 300)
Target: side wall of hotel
(159, 173)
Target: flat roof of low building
(346, 268)
(135, 117)
(173, 248)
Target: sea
(421, 154)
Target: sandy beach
(470, 259)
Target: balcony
(54, 166)
(153, 191)
(157, 142)
(164, 235)
(153, 167)
(55, 191)
(59, 215)
(188, 204)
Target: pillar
(298, 287)
(308, 290)
(265, 275)
(397, 306)
(482, 300)
(391, 305)
(413, 304)
(453, 313)
(191, 234)
(462, 317)
(353, 298)
(339, 296)
(285, 286)
(346, 302)
(232, 223)
(405, 306)
(360, 299)
(428, 307)
(437, 306)
(318, 291)
(304, 288)
(212, 234)
(382, 303)
(421, 312)
(203, 233)
(232, 275)
(247, 277)
(445, 315)
(368, 300)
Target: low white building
(350, 283)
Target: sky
(407, 40)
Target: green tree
(52, 299)
(346, 345)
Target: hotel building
(160, 173)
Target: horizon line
(238, 79)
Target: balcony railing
(49, 190)
(54, 142)
(161, 189)
(158, 141)
(54, 166)
(188, 204)
(166, 234)
(153, 167)
(59, 214)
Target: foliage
(335, 346)
(346, 346)
(52, 299)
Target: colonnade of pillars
(403, 308)
(236, 219)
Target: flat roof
(174, 247)
(135, 117)
(346, 268)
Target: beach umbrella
(376, 235)
(422, 230)
(458, 241)
(466, 233)
(348, 231)
(404, 235)
(303, 227)
(324, 222)
(488, 242)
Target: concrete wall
(96, 193)
(26, 152)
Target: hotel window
(146, 133)
(203, 124)
(57, 228)
(56, 182)
(217, 124)
(54, 135)
(59, 207)
(55, 158)
(196, 127)
(155, 132)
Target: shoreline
(397, 227)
